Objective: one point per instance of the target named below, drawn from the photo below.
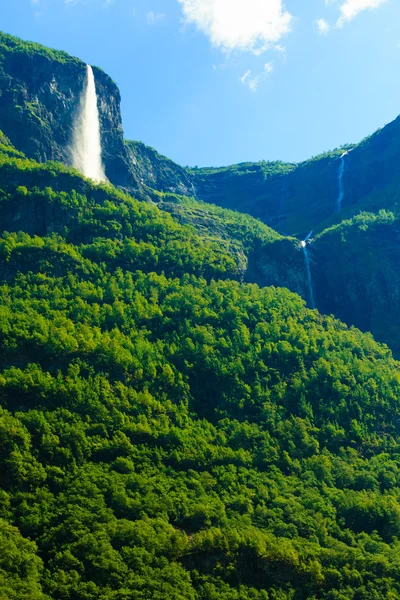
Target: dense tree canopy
(169, 432)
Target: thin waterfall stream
(340, 180)
(86, 145)
(303, 245)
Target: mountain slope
(169, 433)
(267, 258)
(293, 199)
(158, 172)
(354, 252)
(356, 266)
(40, 91)
(356, 281)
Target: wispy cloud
(154, 17)
(322, 26)
(351, 8)
(253, 81)
(269, 67)
(245, 25)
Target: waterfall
(340, 180)
(86, 144)
(303, 245)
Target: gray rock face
(159, 172)
(40, 92)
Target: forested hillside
(171, 427)
(40, 93)
(354, 251)
(168, 432)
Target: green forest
(168, 432)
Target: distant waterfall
(303, 245)
(86, 145)
(340, 180)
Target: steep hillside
(245, 187)
(357, 276)
(354, 252)
(168, 432)
(159, 172)
(293, 199)
(248, 246)
(296, 199)
(49, 199)
(353, 264)
(40, 90)
(268, 258)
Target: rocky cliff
(357, 276)
(40, 90)
(158, 172)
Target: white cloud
(153, 17)
(246, 25)
(322, 26)
(245, 76)
(269, 67)
(252, 81)
(351, 8)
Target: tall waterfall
(340, 180)
(303, 245)
(86, 145)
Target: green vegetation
(215, 222)
(268, 168)
(7, 149)
(254, 188)
(245, 237)
(11, 46)
(158, 172)
(367, 295)
(168, 432)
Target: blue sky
(213, 82)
